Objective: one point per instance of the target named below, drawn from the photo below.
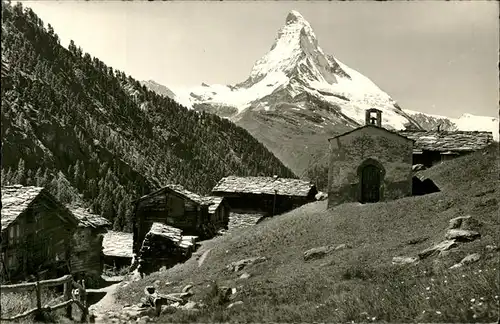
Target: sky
(430, 56)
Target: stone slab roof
(172, 234)
(214, 203)
(118, 244)
(86, 219)
(183, 192)
(444, 141)
(15, 200)
(264, 185)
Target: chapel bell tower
(373, 116)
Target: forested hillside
(97, 137)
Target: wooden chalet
(117, 249)
(433, 147)
(37, 234)
(87, 258)
(265, 195)
(218, 211)
(175, 206)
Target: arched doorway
(370, 182)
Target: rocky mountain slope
(466, 122)
(94, 135)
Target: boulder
(322, 251)
(464, 222)
(438, 248)
(471, 258)
(239, 265)
(404, 260)
(462, 235)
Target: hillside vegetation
(359, 283)
(97, 137)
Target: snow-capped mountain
(296, 97)
(296, 67)
(466, 122)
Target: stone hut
(37, 233)
(434, 147)
(369, 164)
(265, 195)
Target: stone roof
(86, 219)
(15, 200)
(183, 192)
(118, 244)
(213, 203)
(264, 185)
(444, 141)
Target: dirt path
(108, 302)
(203, 257)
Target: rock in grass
(239, 265)
(471, 258)
(322, 251)
(463, 222)
(462, 235)
(438, 248)
(404, 260)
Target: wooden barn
(175, 206)
(265, 195)
(37, 234)
(434, 147)
(87, 259)
(117, 249)
(218, 211)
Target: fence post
(67, 296)
(84, 302)
(38, 296)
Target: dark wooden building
(218, 211)
(37, 234)
(265, 195)
(434, 147)
(87, 259)
(175, 206)
(369, 164)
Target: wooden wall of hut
(41, 243)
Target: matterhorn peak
(295, 17)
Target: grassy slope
(347, 283)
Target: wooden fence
(68, 283)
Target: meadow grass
(360, 283)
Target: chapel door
(370, 184)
